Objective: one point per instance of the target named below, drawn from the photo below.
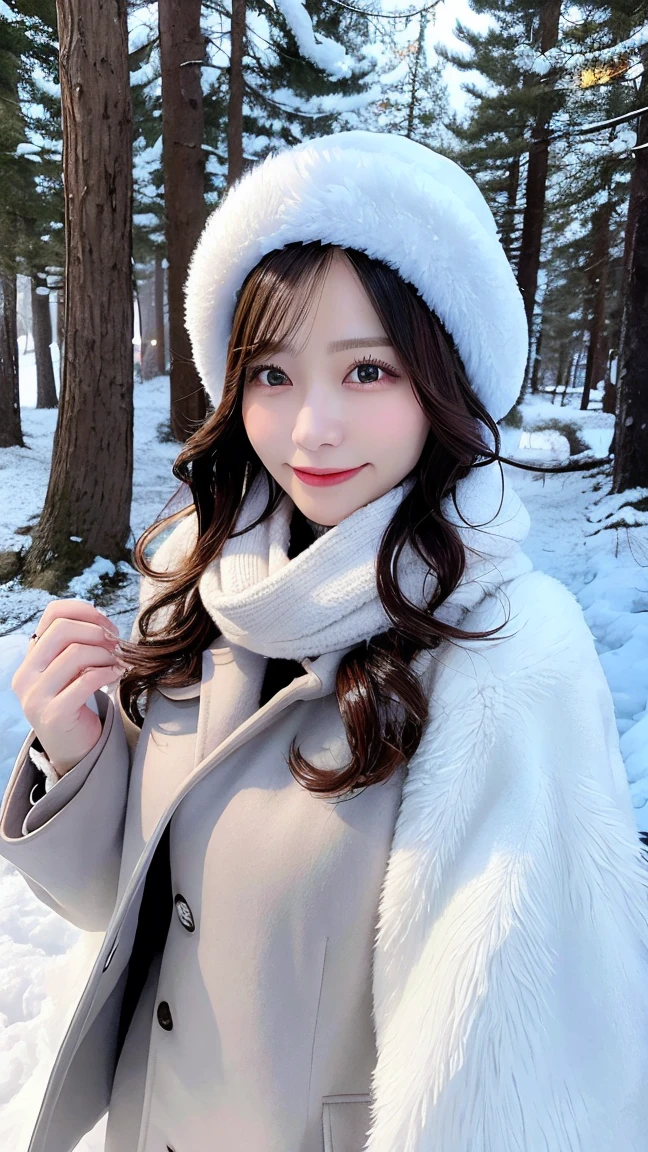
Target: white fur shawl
(511, 964)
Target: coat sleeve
(511, 972)
(68, 844)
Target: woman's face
(314, 409)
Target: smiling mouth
(326, 471)
(326, 479)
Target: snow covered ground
(596, 544)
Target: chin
(325, 506)
(317, 513)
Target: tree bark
(631, 427)
(10, 427)
(90, 483)
(598, 279)
(184, 194)
(536, 183)
(236, 86)
(60, 324)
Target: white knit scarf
(326, 598)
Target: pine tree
(415, 101)
(303, 80)
(149, 244)
(505, 143)
(490, 143)
(182, 51)
(631, 434)
(87, 506)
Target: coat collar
(219, 718)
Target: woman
(366, 863)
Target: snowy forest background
(121, 126)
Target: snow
(327, 54)
(540, 63)
(594, 542)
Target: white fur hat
(399, 202)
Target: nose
(317, 424)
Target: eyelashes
(375, 364)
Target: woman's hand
(73, 656)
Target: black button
(184, 913)
(164, 1016)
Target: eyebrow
(359, 342)
(343, 345)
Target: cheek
(261, 425)
(398, 421)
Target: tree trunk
(597, 287)
(42, 332)
(184, 194)
(560, 369)
(609, 395)
(536, 182)
(415, 95)
(572, 375)
(149, 323)
(160, 337)
(631, 428)
(537, 359)
(512, 184)
(10, 427)
(563, 375)
(90, 484)
(236, 88)
(143, 298)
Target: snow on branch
(528, 60)
(325, 53)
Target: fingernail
(113, 627)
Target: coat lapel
(229, 691)
(224, 717)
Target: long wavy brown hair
(217, 466)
